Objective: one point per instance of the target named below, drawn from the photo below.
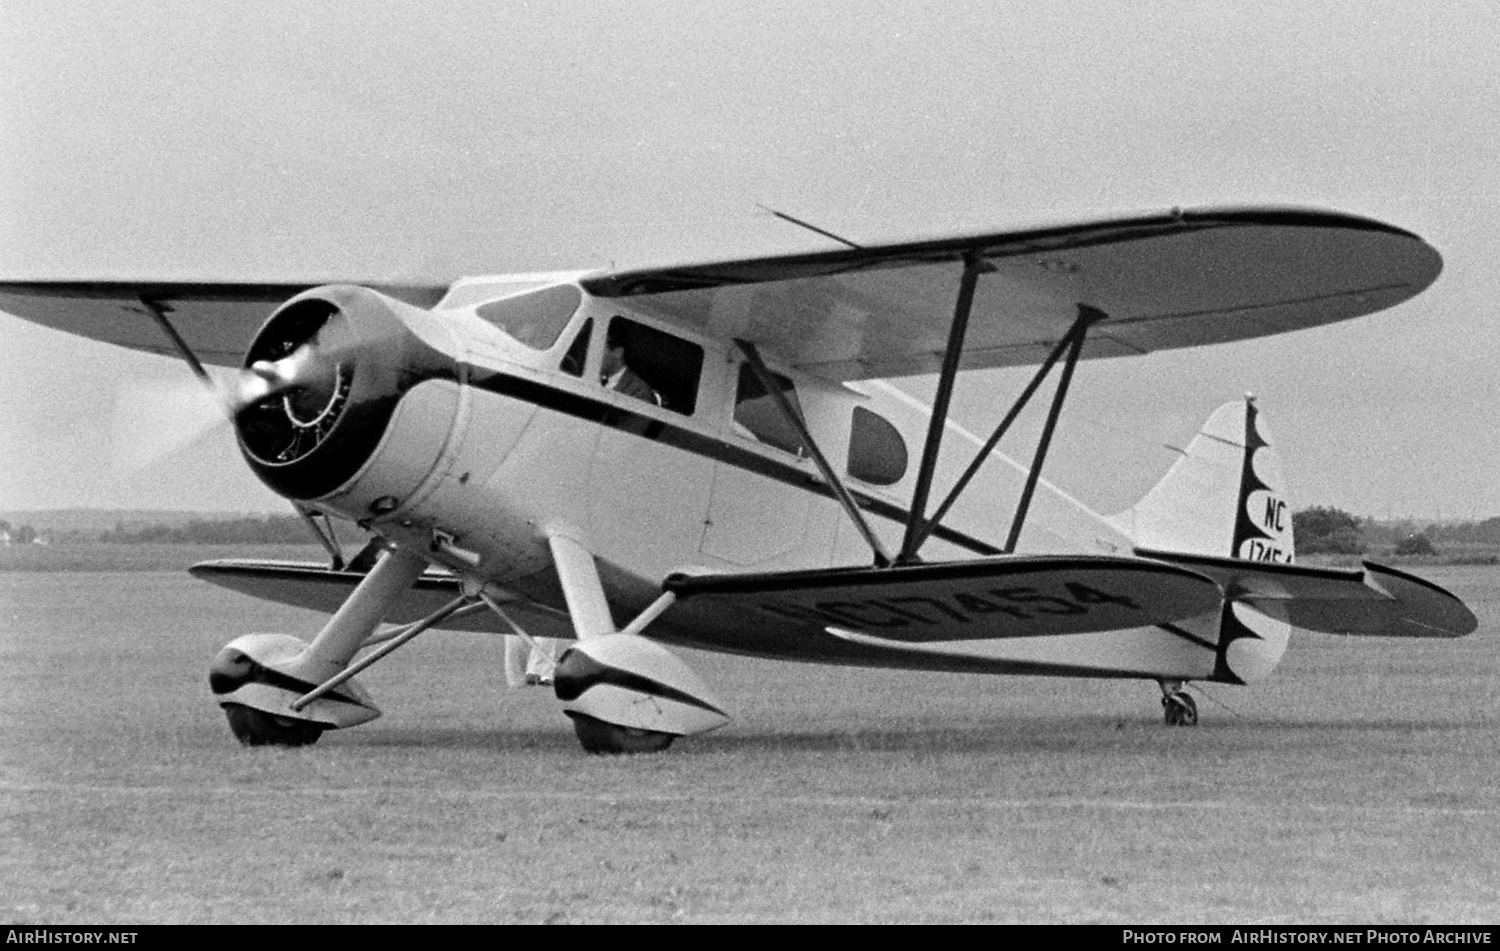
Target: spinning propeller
(315, 391)
(304, 387)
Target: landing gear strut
(624, 693)
(1177, 705)
(262, 680)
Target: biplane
(709, 455)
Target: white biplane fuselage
(480, 470)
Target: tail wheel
(257, 728)
(603, 738)
(1180, 709)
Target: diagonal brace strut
(1087, 316)
(1070, 341)
(840, 491)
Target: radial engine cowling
(324, 382)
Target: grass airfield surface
(1358, 784)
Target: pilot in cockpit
(615, 372)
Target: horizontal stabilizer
(1376, 601)
(1001, 597)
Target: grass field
(1358, 785)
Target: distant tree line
(1322, 530)
(270, 530)
(1486, 532)
(1326, 530)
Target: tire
(1180, 709)
(602, 738)
(257, 728)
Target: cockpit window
(757, 415)
(651, 365)
(877, 453)
(535, 319)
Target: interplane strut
(918, 526)
(973, 266)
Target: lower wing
(980, 599)
(319, 588)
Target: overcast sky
(241, 141)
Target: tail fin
(1225, 497)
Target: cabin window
(578, 354)
(756, 413)
(535, 319)
(651, 365)
(877, 453)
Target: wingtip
(1428, 609)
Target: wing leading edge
(217, 319)
(1164, 281)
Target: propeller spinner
(295, 384)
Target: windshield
(535, 318)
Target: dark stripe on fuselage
(680, 437)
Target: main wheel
(257, 728)
(606, 738)
(1180, 709)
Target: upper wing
(1377, 601)
(1179, 279)
(218, 320)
